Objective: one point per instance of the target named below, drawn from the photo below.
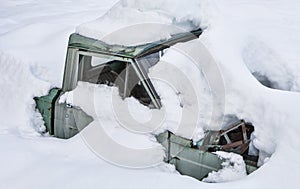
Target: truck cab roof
(98, 46)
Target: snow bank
(26, 25)
(32, 162)
(18, 87)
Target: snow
(233, 168)
(17, 96)
(26, 24)
(248, 39)
(133, 129)
(98, 101)
(188, 117)
(156, 19)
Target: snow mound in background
(143, 21)
(267, 66)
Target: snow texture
(233, 168)
(139, 22)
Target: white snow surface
(132, 22)
(233, 168)
(243, 36)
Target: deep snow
(246, 38)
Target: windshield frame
(141, 73)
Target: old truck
(94, 61)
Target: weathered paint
(45, 105)
(192, 161)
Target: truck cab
(94, 61)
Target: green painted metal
(45, 105)
(69, 120)
(188, 160)
(192, 161)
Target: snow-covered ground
(250, 40)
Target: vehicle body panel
(46, 107)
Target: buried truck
(127, 67)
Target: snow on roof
(132, 22)
(86, 43)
